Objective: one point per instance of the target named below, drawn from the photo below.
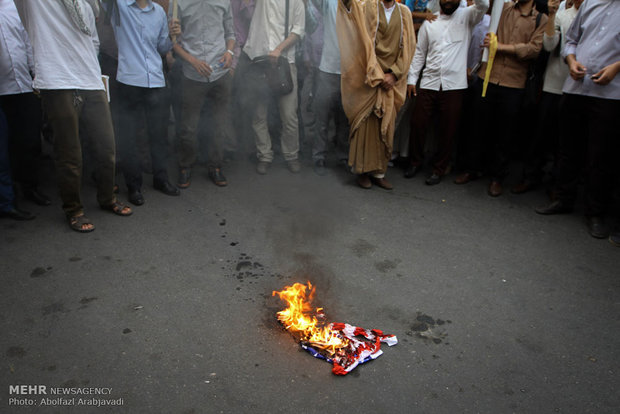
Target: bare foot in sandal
(81, 224)
(119, 209)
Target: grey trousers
(327, 103)
(289, 140)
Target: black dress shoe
(597, 227)
(556, 207)
(16, 214)
(185, 174)
(166, 188)
(37, 197)
(411, 171)
(433, 179)
(136, 198)
(215, 174)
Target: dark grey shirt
(206, 25)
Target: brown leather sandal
(118, 208)
(77, 223)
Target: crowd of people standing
(367, 83)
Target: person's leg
(192, 100)
(96, 118)
(157, 114)
(341, 121)
(8, 209)
(536, 154)
(218, 102)
(477, 132)
(449, 107)
(243, 105)
(572, 147)
(306, 113)
(217, 112)
(191, 103)
(376, 155)
(507, 102)
(7, 197)
(290, 125)
(23, 114)
(571, 152)
(132, 103)
(63, 108)
(322, 110)
(603, 151)
(264, 152)
(422, 115)
(175, 77)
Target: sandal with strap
(118, 208)
(77, 223)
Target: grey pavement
(496, 309)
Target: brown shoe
(215, 174)
(364, 181)
(523, 187)
(185, 175)
(495, 189)
(464, 178)
(382, 182)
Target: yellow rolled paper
(487, 74)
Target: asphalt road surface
(496, 309)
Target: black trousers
(590, 139)
(138, 105)
(491, 137)
(23, 114)
(545, 138)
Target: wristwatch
(231, 52)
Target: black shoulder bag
(535, 75)
(277, 74)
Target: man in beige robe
(377, 43)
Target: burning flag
(341, 344)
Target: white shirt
(557, 70)
(443, 46)
(64, 57)
(267, 27)
(91, 21)
(330, 56)
(388, 11)
(15, 52)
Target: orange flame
(299, 318)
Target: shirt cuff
(522, 51)
(569, 49)
(550, 42)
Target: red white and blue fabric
(358, 350)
